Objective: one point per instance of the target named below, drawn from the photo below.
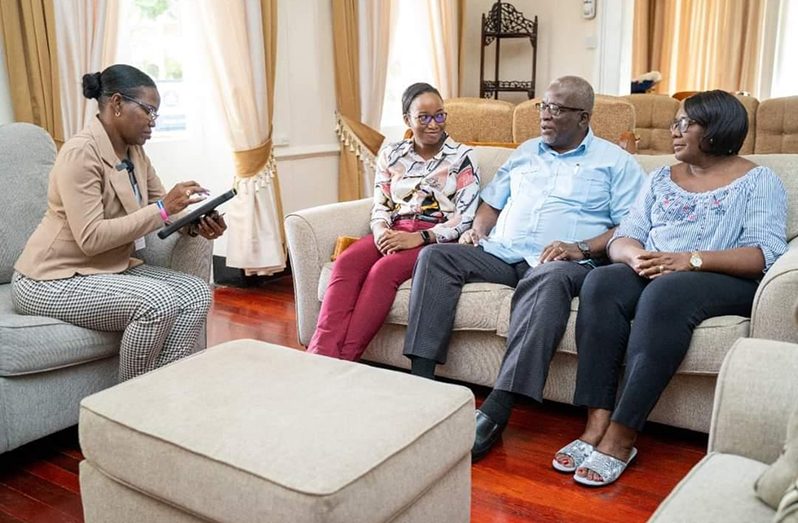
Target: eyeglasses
(682, 124)
(425, 119)
(554, 109)
(152, 112)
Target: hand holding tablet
(195, 215)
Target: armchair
(47, 366)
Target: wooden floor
(39, 482)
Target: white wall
(6, 113)
(567, 45)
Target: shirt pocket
(592, 190)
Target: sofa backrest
(489, 159)
(777, 126)
(612, 116)
(653, 116)
(27, 154)
(479, 120)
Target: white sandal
(606, 466)
(577, 450)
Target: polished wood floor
(515, 483)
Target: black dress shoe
(488, 432)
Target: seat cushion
(486, 307)
(482, 306)
(719, 488)
(249, 431)
(31, 344)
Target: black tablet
(196, 214)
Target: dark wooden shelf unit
(504, 21)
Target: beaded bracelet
(162, 209)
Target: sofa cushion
(719, 488)
(486, 307)
(27, 153)
(31, 344)
(482, 305)
(774, 482)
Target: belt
(416, 217)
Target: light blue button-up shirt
(544, 196)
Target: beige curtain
(238, 40)
(444, 33)
(699, 44)
(28, 28)
(86, 35)
(347, 91)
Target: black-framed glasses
(682, 124)
(425, 119)
(152, 112)
(555, 109)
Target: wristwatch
(426, 237)
(584, 248)
(696, 261)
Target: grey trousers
(160, 311)
(540, 308)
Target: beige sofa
(756, 393)
(772, 124)
(483, 313)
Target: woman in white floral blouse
(426, 191)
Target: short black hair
(119, 78)
(723, 118)
(413, 92)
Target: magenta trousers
(360, 294)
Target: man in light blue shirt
(544, 219)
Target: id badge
(140, 244)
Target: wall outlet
(591, 42)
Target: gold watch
(696, 261)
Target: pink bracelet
(162, 209)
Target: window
(151, 39)
(785, 74)
(409, 61)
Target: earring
(117, 114)
(711, 140)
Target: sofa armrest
(754, 396)
(179, 252)
(772, 313)
(311, 235)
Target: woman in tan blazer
(103, 198)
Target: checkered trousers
(161, 311)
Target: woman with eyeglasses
(103, 198)
(693, 247)
(426, 190)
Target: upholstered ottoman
(253, 432)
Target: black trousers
(665, 310)
(539, 311)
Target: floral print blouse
(751, 211)
(443, 189)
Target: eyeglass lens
(425, 119)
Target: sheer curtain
(699, 44)
(444, 33)
(28, 29)
(236, 38)
(86, 35)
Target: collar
(448, 147)
(107, 152)
(580, 149)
